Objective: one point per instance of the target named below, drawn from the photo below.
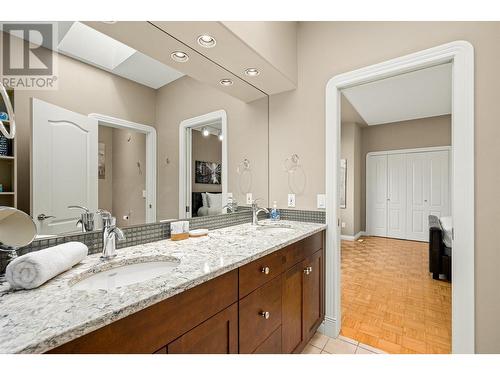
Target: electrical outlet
(249, 198)
(343, 225)
(144, 193)
(291, 200)
(321, 201)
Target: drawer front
(255, 325)
(272, 345)
(311, 244)
(259, 272)
(292, 255)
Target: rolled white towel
(31, 270)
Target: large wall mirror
(139, 125)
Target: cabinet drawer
(272, 345)
(259, 272)
(292, 255)
(310, 245)
(260, 315)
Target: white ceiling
(419, 94)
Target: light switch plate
(343, 225)
(291, 200)
(249, 198)
(144, 193)
(321, 199)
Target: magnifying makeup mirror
(16, 229)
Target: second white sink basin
(275, 228)
(126, 275)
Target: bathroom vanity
(242, 289)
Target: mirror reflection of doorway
(203, 165)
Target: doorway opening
(461, 193)
(126, 169)
(203, 165)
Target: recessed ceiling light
(206, 41)
(179, 56)
(226, 82)
(252, 72)
(205, 132)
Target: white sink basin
(275, 228)
(126, 275)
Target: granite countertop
(37, 320)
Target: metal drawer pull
(308, 270)
(265, 270)
(265, 314)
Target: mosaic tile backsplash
(145, 233)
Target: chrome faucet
(256, 210)
(86, 220)
(232, 206)
(110, 232)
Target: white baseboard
(329, 327)
(352, 238)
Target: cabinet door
(439, 184)
(417, 196)
(396, 196)
(292, 308)
(376, 195)
(313, 305)
(217, 335)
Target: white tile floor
(321, 344)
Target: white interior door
(417, 189)
(396, 195)
(64, 160)
(376, 195)
(438, 198)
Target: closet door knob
(265, 270)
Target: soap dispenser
(275, 215)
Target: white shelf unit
(8, 167)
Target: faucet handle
(104, 214)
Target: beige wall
(351, 150)
(275, 41)
(205, 149)
(297, 124)
(247, 138)
(83, 89)
(129, 177)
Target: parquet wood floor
(389, 299)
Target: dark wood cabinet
(313, 305)
(217, 335)
(271, 305)
(303, 300)
(271, 345)
(292, 308)
(260, 315)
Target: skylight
(87, 44)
